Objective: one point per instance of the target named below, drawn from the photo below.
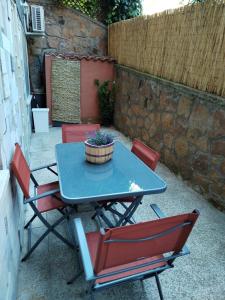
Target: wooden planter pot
(98, 154)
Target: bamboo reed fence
(186, 45)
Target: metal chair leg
(92, 296)
(74, 277)
(50, 228)
(159, 286)
(30, 221)
(90, 291)
(35, 246)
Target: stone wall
(14, 127)
(185, 125)
(66, 31)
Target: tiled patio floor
(200, 275)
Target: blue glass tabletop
(124, 175)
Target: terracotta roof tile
(74, 56)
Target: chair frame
(50, 227)
(31, 200)
(92, 277)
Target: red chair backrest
(149, 156)
(115, 254)
(21, 170)
(78, 132)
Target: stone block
(181, 147)
(150, 104)
(199, 115)
(222, 168)
(136, 109)
(218, 147)
(197, 138)
(145, 135)
(140, 122)
(157, 119)
(202, 182)
(168, 140)
(97, 32)
(201, 163)
(133, 121)
(167, 102)
(147, 123)
(178, 129)
(129, 111)
(170, 159)
(146, 89)
(185, 169)
(155, 89)
(167, 120)
(152, 130)
(219, 189)
(53, 42)
(218, 127)
(155, 143)
(184, 107)
(39, 42)
(53, 30)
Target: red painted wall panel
(89, 71)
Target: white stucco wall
(14, 127)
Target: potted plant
(99, 147)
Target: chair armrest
(43, 167)
(83, 246)
(160, 214)
(157, 211)
(49, 193)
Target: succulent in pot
(99, 147)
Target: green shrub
(106, 94)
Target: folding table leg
(129, 212)
(118, 214)
(123, 218)
(100, 215)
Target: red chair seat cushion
(50, 202)
(93, 239)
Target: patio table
(124, 175)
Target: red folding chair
(134, 252)
(150, 157)
(78, 132)
(46, 198)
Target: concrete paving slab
(200, 275)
